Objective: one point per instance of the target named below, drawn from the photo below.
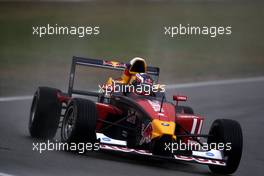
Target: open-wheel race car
(134, 123)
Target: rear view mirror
(179, 98)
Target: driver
(134, 74)
(136, 65)
(143, 83)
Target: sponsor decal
(146, 134)
(209, 154)
(124, 149)
(131, 117)
(114, 64)
(199, 160)
(177, 157)
(155, 105)
(187, 116)
(194, 125)
(106, 139)
(165, 124)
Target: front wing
(212, 157)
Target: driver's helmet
(137, 65)
(143, 83)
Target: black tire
(79, 123)
(227, 131)
(45, 113)
(184, 109)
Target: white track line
(170, 86)
(215, 83)
(16, 98)
(4, 174)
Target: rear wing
(113, 65)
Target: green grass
(128, 30)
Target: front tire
(45, 113)
(227, 131)
(79, 123)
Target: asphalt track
(242, 101)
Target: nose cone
(160, 128)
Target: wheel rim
(68, 123)
(33, 110)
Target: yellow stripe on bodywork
(160, 128)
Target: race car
(134, 123)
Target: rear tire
(227, 131)
(79, 123)
(45, 113)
